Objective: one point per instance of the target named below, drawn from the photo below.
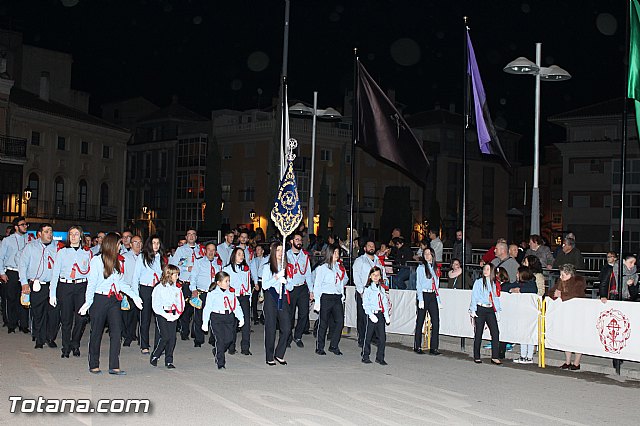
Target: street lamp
(252, 215)
(302, 110)
(147, 211)
(522, 65)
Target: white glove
(205, 326)
(138, 302)
(387, 320)
(53, 301)
(473, 314)
(84, 309)
(36, 286)
(421, 304)
(373, 318)
(241, 323)
(282, 280)
(280, 274)
(498, 316)
(316, 305)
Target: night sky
(215, 54)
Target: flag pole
(285, 59)
(465, 125)
(354, 138)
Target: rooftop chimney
(44, 86)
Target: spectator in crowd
(533, 263)
(383, 255)
(515, 252)
(396, 233)
(490, 254)
(259, 238)
(456, 279)
(457, 247)
(539, 250)
(609, 278)
(569, 255)
(525, 283)
(503, 260)
(424, 244)
(312, 243)
(567, 287)
(503, 280)
(436, 245)
(403, 255)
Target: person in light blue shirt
(222, 310)
(376, 307)
(146, 275)
(130, 317)
(168, 304)
(240, 279)
(328, 288)
(68, 288)
(485, 309)
(256, 265)
(427, 287)
(300, 285)
(361, 268)
(185, 258)
(276, 305)
(103, 299)
(10, 251)
(35, 270)
(203, 274)
(225, 248)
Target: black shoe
(183, 337)
(64, 354)
(118, 372)
(320, 352)
(419, 351)
(366, 361)
(127, 343)
(25, 330)
(494, 362)
(170, 365)
(434, 352)
(256, 322)
(51, 344)
(232, 351)
(306, 332)
(39, 346)
(246, 352)
(360, 344)
(383, 362)
(11, 330)
(280, 361)
(574, 367)
(271, 363)
(335, 351)
(220, 367)
(154, 361)
(197, 345)
(76, 352)
(299, 343)
(477, 361)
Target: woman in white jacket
(168, 304)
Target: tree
(212, 189)
(396, 211)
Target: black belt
(171, 311)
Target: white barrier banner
(610, 330)
(519, 317)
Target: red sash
(114, 292)
(380, 304)
(227, 303)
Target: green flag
(633, 91)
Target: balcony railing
(82, 212)
(13, 147)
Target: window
(249, 191)
(226, 152)
(104, 195)
(82, 199)
(84, 147)
(132, 204)
(106, 151)
(163, 164)
(146, 165)
(131, 165)
(325, 155)
(58, 187)
(35, 138)
(34, 187)
(62, 143)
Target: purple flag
(487, 136)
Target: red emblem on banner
(614, 329)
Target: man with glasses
(10, 252)
(184, 258)
(96, 249)
(126, 242)
(130, 317)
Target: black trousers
(431, 305)
(17, 315)
(379, 330)
(44, 326)
(223, 328)
(254, 302)
(245, 343)
(275, 319)
(185, 317)
(196, 330)
(105, 310)
(361, 319)
(299, 299)
(71, 297)
(488, 316)
(165, 339)
(3, 303)
(332, 317)
(145, 315)
(130, 322)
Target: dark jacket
(574, 257)
(573, 287)
(525, 287)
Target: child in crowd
(221, 309)
(526, 283)
(168, 304)
(376, 306)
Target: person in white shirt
(276, 306)
(436, 245)
(225, 248)
(168, 304)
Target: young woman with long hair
(240, 279)
(276, 305)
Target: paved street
(412, 389)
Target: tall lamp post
(302, 110)
(523, 65)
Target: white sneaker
(519, 360)
(528, 361)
